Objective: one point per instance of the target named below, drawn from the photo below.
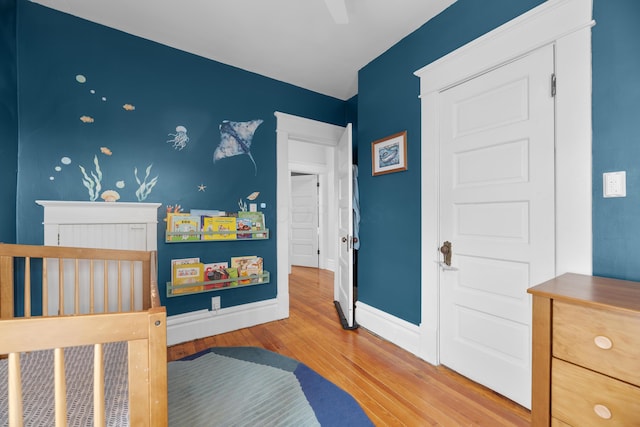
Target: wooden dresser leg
(541, 362)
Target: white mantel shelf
(74, 212)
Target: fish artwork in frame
(389, 154)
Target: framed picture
(389, 154)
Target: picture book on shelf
(207, 212)
(212, 224)
(254, 268)
(187, 224)
(171, 215)
(187, 273)
(256, 221)
(247, 265)
(243, 224)
(182, 261)
(216, 271)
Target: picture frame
(389, 154)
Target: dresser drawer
(602, 340)
(580, 397)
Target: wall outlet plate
(614, 184)
(215, 303)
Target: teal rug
(251, 386)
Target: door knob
(446, 252)
(344, 240)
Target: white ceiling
(303, 42)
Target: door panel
(497, 210)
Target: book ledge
(215, 236)
(217, 285)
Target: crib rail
(102, 280)
(145, 333)
(77, 274)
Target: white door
(343, 292)
(497, 210)
(304, 220)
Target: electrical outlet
(614, 184)
(215, 303)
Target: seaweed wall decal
(93, 182)
(144, 187)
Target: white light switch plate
(614, 184)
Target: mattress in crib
(38, 386)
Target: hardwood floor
(394, 387)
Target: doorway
(304, 226)
(565, 25)
(300, 143)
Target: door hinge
(318, 251)
(553, 85)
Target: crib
(76, 318)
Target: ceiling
(315, 44)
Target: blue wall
(8, 121)
(389, 256)
(171, 88)
(88, 92)
(616, 136)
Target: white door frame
(305, 130)
(567, 25)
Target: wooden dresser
(586, 352)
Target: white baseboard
(205, 323)
(400, 332)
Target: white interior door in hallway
(304, 220)
(344, 292)
(497, 210)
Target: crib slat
(119, 286)
(60, 388)
(99, 418)
(27, 286)
(60, 287)
(45, 288)
(76, 287)
(15, 391)
(131, 286)
(92, 284)
(106, 287)
(6, 292)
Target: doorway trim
(567, 25)
(305, 130)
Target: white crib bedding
(38, 386)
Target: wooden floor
(394, 387)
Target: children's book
(242, 264)
(254, 268)
(187, 227)
(171, 215)
(207, 212)
(257, 223)
(187, 273)
(243, 224)
(223, 224)
(216, 271)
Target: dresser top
(592, 291)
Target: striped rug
(250, 386)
